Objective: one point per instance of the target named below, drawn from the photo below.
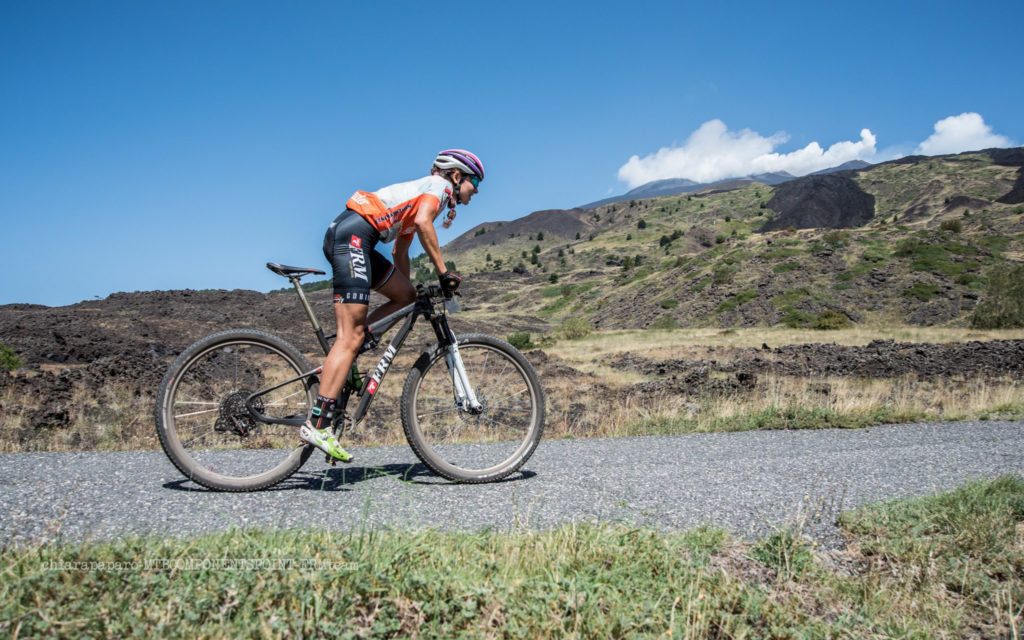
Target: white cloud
(965, 132)
(712, 152)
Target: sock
(323, 412)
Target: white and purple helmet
(460, 159)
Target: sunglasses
(474, 180)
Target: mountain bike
(229, 408)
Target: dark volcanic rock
(1016, 194)
(877, 359)
(834, 201)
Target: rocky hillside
(909, 241)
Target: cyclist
(395, 213)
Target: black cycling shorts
(349, 247)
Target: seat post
(309, 313)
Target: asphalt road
(749, 483)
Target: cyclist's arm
(424, 222)
(400, 254)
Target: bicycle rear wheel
(458, 445)
(210, 424)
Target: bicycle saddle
(288, 272)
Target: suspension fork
(465, 396)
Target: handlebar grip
(432, 291)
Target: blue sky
(172, 145)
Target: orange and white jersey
(391, 210)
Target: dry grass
(117, 418)
(781, 402)
(605, 404)
(777, 401)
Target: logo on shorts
(357, 260)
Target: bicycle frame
(424, 306)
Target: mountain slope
(918, 238)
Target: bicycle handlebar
(434, 292)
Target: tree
(641, 224)
(540, 236)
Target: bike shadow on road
(341, 478)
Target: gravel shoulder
(750, 483)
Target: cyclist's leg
(345, 245)
(394, 285)
(348, 245)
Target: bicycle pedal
(332, 460)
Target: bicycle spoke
(210, 410)
(194, 413)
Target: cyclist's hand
(449, 281)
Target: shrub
(666, 322)
(907, 247)
(669, 303)
(829, 320)
(575, 328)
(8, 359)
(953, 226)
(722, 275)
(520, 340)
(1002, 306)
(641, 224)
(553, 278)
(796, 319)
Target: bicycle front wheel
(216, 407)
(467, 446)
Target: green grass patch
(922, 291)
(742, 297)
(995, 243)
(639, 274)
(783, 267)
(791, 297)
(553, 308)
(943, 566)
(780, 253)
